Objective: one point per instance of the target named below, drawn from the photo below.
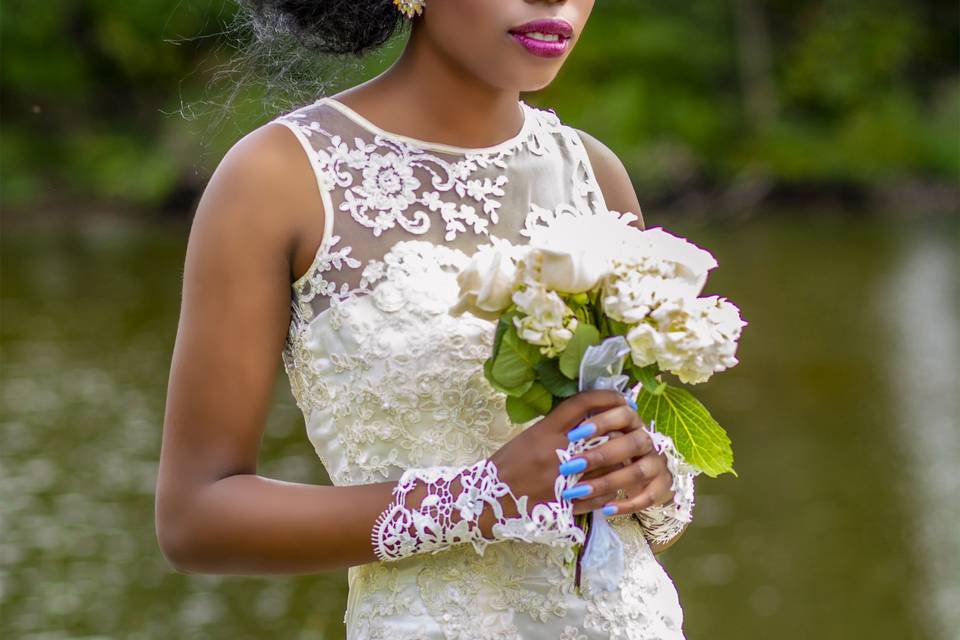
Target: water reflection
(921, 304)
(822, 535)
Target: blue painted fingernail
(609, 510)
(578, 491)
(573, 466)
(632, 404)
(581, 432)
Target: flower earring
(410, 8)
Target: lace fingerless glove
(450, 512)
(662, 523)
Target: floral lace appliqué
(388, 380)
(382, 190)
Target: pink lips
(545, 49)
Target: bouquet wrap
(601, 561)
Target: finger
(619, 450)
(617, 420)
(592, 504)
(657, 492)
(596, 473)
(631, 504)
(655, 466)
(632, 478)
(574, 409)
(660, 489)
(621, 418)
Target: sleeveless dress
(388, 380)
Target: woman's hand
(528, 463)
(628, 462)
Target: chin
(538, 83)
(525, 80)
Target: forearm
(249, 524)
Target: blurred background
(813, 146)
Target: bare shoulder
(264, 188)
(265, 181)
(612, 176)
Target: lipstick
(545, 38)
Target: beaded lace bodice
(387, 379)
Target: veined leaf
(537, 401)
(698, 438)
(514, 360)
(549, 374)
(585, 336)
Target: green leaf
(585, 336)
(698, 438)
(648, 378)
(537, 401)
(582, 314)
(510, 391)
(506, 321)
(616, 327)
(548, 372)
(514, 360)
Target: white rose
(574, 250)
(567, 271)
(487, 282)
(568, 228)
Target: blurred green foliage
(699, 94)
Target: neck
(427, 95)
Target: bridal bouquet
(585, 278)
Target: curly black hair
(328, 26)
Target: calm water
(843, 523)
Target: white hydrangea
(691, 264)
(545, 320)
(633, 289)
(663, 268)
(692, 338)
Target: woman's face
(483, 37)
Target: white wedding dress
(387, 379)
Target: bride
(332, 237)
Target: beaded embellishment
(410, 8)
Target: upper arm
(235, 312)
(612, 176)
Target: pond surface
(844, 521)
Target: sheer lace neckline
(436, 146)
